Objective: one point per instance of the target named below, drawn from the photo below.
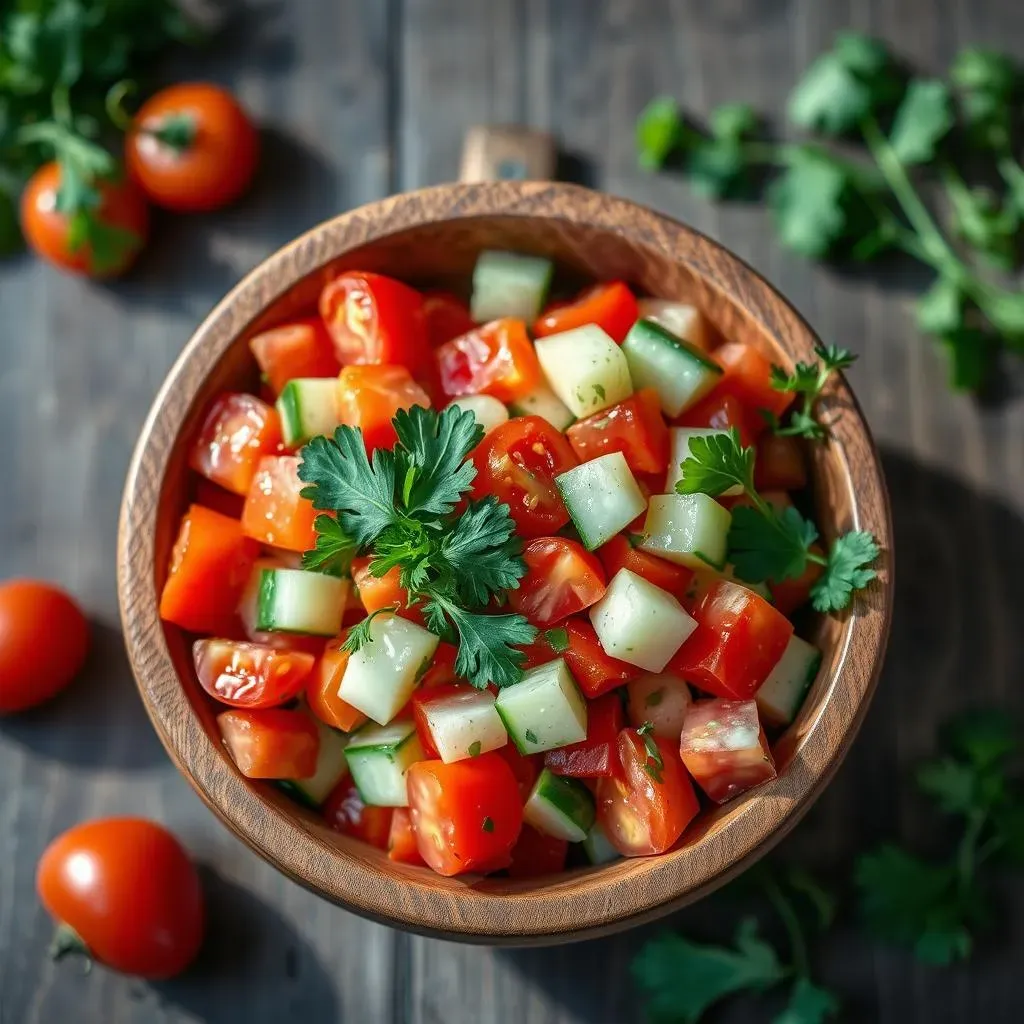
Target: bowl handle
(507, 153)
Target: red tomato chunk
(536, 854)
(402, 847)
(447, 317)
(619, 553)
(495, 359)
(274, 512)
(594, 671)
(299, 349)
(237, 432)
(634, 427)
(271, 743)
(345, 812)
(748, 376)
(611, 306)
(562, 578)
(723, 411)
(247, 675)
(369, 397)
(597, 754)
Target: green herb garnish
(558, 639)
(654, 764)
(807, 380)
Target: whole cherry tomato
(125, 893)
(44, 638)
(191, 147)
(100, 241)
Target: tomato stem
(66, 941)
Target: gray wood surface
(360, 98)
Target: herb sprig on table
(828, 206)
(399, 506)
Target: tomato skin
(345, 812)
(210, 566)
(369, 397)
(48, 231)
(248, 675)
(446, 316)
(788, 595)
(374, 319)
(562, 578)
(610, 305)
(496, 359)
(525, 768)
(640, 815)
(738, 640)
(302, 348)
(536, 854)
(402, 846)
(724, 748)
(271, 743)
(619, 553)
(748, 376)
(721, 411)
(634, 427)
(323, 684)
(130, 892)
(467, 815)
(237, 432)
(779, 464)
(595, 671)
(213, 169)
(597, 754)
(33, 668)
(517, 463)
(275, 513)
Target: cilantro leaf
(923, 120)
(658, 131)
(680, 979)
(481, 551)
(808, 380)
(557, 639)
(988, 83)
(769, 547)
(940, 310)
(716, 463)
(808, 1004)
(654, 763)
(334, 549)
(982, 736)
(362, 632)
(807, 202)
(845, 571)
(971, 356)
(982, 220)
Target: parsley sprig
(766, 544)
(399, 506)
(807, 380)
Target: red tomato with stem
(536, 854)
(595, 671)
(467, 815)
(738, 640)
(248, 675)
(369, 397)
(271, 743)
(634, 427)
(238, 431)
(619, 553)
(723, 411)
(562, 578)
(496, 359)
(44, 638)
(192, 148)
(611, 305)
(779, 464)
(748, 376)
(646, 804)
(299, 349)
(345, 812)
(323, 684)
(125, 893)
(517, 463)
(597, 754)
(275, 513)
(447, 317)
(402, 846)
(100, 241)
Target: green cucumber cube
(781, 694)
(602, 497)
(688, 529)
(379, 757)
(559, 807)
(544, 710)
(308, 407)
(585, 369)
(509, 284)
(298, 601)
(464, 724)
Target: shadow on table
(955, 644)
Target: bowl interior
(657, 257)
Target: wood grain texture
(363, 98)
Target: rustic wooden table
(361, 98)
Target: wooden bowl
(434, 235)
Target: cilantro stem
(967, 850)
(816, 558)
(791, 923)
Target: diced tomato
(423, 697)
(496, 359)
(738, 640)
(779, 464)
(536, 854)
(247, 675)
(376, 592)
(661, 698)
(299, 349)
(369, 397)
(595, 671)
(211, 495)
(721, 410)
(323, 684)
(724, 748)
(238, 431)
(271, 743)
(562, 578)
(748, 376)
(619, 553)
(466, 815)
(517, 463)
(596, 755)
(447, 317)
(375, 319)
(646, 804)
(402, 846)
(610, 305)
(634, 427)
(788, 595)
(274, 512)
(442, 668)
(525, 768)
(210, 566)
(345, 811)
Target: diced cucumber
(559, 807)
(509, 284)
(602, 497)
(585, 369)
(487, 410)
(598, 847)
(543, 402)
(298, 601)
(249, 603)
(379, 758)
(680, 372)
(544, 710)
(464, 725)
(686, 322)
(331, 767)
(308, 407)
(688, 529)
(640, 623)
(680, 443)
(782, 693)
(382, 674)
